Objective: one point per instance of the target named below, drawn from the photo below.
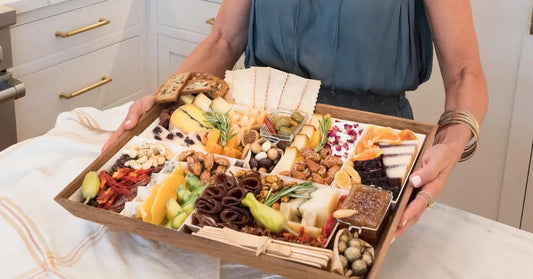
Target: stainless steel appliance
(10, 88)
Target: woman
(367, 54)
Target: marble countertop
(451, 243)
(22, 6)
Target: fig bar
(364, 206)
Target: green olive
(285, 131)
(296, 116)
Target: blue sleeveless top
(367, 53)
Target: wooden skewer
(280, 249)
(298, 260)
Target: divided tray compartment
(283, 139)
(190, 227)
(228, 252)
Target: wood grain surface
(228, 252)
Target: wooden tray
(226, 252)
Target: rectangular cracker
(170, 90)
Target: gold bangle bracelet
(464, 117)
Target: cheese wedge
(190, 119)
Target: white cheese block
(130, 208)
(323, 202)
(202, 101)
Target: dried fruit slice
(407, 134)
(391, 138)
(342, 180)
(250, 137)
(315, 139)
(368, 154)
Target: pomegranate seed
(338, 148)
(345, 145)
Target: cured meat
(209, 206)
(201, 220)
(228, 181)
(216, 192)
(233, 215)
(234, 197)
(252, 184)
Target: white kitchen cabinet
(37, 111)
(171, 52)
(42, 32)
(50, 65)
(186, 14)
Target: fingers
(411, 214)
(114, 136)
(134, 112)
(416, 208)
(433, 164)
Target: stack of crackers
(191, 83)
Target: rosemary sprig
(220, 122)
(291, 192)
(324, 126)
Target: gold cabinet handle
(210, 21)
(105, 79)
(101, 22)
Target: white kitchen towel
(40, 239)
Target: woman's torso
(355, 47)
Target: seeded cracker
(170, 90)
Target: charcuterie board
(297, 200)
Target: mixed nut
(147, 155)
(265, 156)
(204, 165)
(319, 167)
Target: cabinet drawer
(37, 111)
(187, 14)
(38, 39)
(171, 53)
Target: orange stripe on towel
(26, 229)
(91, 119)
(33, 231)
(89, 240)
(20, 232)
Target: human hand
(136, 109)
(437, 165)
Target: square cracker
(212, 86)
(170, 90)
